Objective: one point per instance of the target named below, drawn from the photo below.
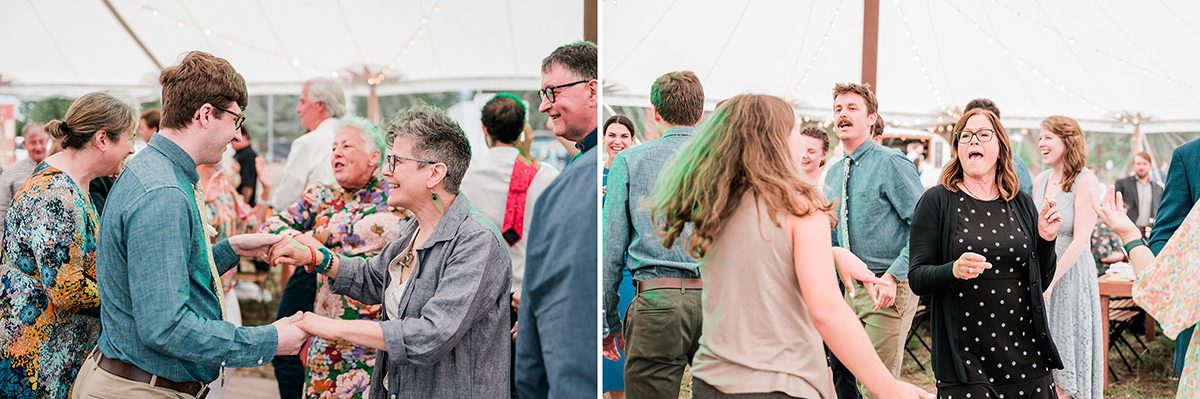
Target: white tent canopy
(1089, 60)
(67, 48)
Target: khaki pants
(662, 334)
(95, 383)
(888, 327)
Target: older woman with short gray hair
(443, 283)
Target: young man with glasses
(875, 189)
(556, 332)
(164, 334)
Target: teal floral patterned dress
(49, 305)
(352, 223)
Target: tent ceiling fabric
(60, 47)
(1033, 58)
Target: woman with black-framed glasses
(985, 255)
(444, 282)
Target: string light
(820, 47)
(412, 41)
(1021, 62)
(924, 71)
(1098, 50)
(230, 41)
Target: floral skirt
(338, 369)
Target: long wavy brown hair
(743, 148)
(1006, 177)
(1075, 154)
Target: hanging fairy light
(917, 56)
(820, 47)
(230, 40)
(1034, 70)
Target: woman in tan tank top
(762, 236)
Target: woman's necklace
(972, 194)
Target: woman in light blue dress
(1073, 306)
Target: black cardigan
(931, 274)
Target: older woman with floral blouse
(351, 218)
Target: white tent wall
(64, 49)
(1090, 60)
(1032, 58)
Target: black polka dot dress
(997, 341)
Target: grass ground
(1151, 378)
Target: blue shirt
(629, 224)
(883, 189)
(159, 311)
(1024, 181)
(556, 336)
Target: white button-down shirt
(308, 163)
(486, 187)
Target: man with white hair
(321, 104)
(11, 180)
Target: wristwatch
(1129, 246)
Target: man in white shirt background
(322, 102)
(497, 181)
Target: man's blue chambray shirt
(629, 225)
(158, 309)
(884, 189)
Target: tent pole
(589, 21)
(134, 36)
(870, 47)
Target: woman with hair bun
(49, 304)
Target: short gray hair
(372, 135)
(328, 92)
(33, 128)
(436, 137)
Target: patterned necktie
(844, 226)
(209, 232)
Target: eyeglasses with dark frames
(392, 160)
(238, 118)
(983, 135)
(549, 94)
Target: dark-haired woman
(49, 305)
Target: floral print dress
(1169, 290)
(228, 213)
(352, 223)
(49, 304)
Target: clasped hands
(298, 250)
(295, 330)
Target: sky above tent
(1085, 59)
(60, 47)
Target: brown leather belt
(133, 373)
(670, 282)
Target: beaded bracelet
(326, 262)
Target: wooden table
(1114, 287)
